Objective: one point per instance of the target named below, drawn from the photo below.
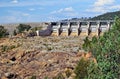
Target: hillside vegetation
(107, 16)
(106, 50)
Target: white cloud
(21, 3)
(15, 16)
(115, 7)
(32, 9)
(102, 6)
(68, 9)
(25, 14)
(53, 18)
(14, 1)
(18, 13)
(103, 2)
(97, 9)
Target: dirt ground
(22, 58)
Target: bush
(81, 69)
(106, 50)
(46, 77)
(14, 32)
(6, 48)
(68, 73)
(59, 76)
(33, 77)
(3, 32)
(87, 44)
(22, 27)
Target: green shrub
(22, 27)
(81, 69)
(93, 71)
(49, 48)
(3, 32)
(87, 44)
(33, 77)
(68, 73)
(14, 32)
(59, 76)
(106, 50)
(7, 48)
(46, 77)
(4, 48)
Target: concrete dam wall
(77, 28)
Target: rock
(11, 75)
(30, 57)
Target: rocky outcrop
(36, 63)
(40, 57)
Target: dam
(80, 28)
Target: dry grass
(48, 44)
(40, 56)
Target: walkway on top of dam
(79, 21)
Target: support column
(68, 33)
(56, 30)
(98, 29)
(78, 24)
(74, 29)
(88, 27)
(59, 26)
(37, 32)
(79, 28)
(108, 26)
(84, 30)
(65, 29)
(68, 24)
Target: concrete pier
(74, 29)
(64, 29)
(37, 32)
(56, 29)
(81, 28)
(94, 28)
(84, 28)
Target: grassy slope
(107, 16)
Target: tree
(22, 27)
(86, 44)
(81, 69)
(3, 32)
(14, 32)
(107, 16)
(106, 50)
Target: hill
(12, 26)
(107, 16)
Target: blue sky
(15, 11)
